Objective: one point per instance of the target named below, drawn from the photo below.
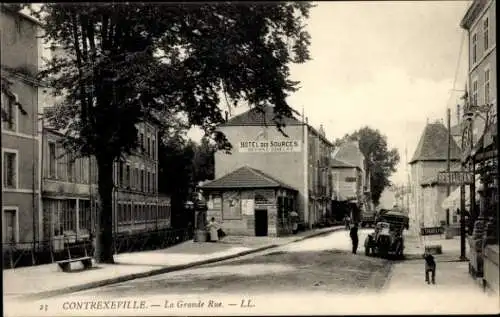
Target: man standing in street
(354, 237)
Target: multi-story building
(20, 59)
(70, 195)
(429, 159)
(301, 159)
(137, 203)
(480, 23)
(481, 151)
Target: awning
(486, 143)
(452, 202)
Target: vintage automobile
(387, 238)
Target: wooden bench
(65, 265)
(434, 249)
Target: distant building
(429, 159)
(349, 180)
(433, 194)
(301, 160)
(20, 140)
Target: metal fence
(49, 251)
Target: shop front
(251, 203)
(484, 240)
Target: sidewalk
(46, 280)
(454, 292)
(415, 246)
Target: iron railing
(23, 254)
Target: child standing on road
(430, 267)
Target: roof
(264, 116)
(246, 177)
(259, 117)
(472, 13)
(433, 145)
(339, 163)
(456, 130)
(350, 153)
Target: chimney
(226, 113)
(321, 130)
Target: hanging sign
(455, 178)
(270, 146)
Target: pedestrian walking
(212, 226)
(354, 237)
(430, 267)
(294, 216)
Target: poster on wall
(270, 146)
(247, 206)
(231, 206)
(214, 202)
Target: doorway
(260, 222)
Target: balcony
(55, 187)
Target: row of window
(485, 30)
(136, 178)
(64, 168)
(486, 87)
(61, 214)
(131, 213)
(148, 143)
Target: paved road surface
(314, 276)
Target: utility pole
(448, 117)
(462, 186)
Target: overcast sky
(388, 65)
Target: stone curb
(163, 270)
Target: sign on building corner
(270, 146)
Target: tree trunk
(104, 223)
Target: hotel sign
(455, 178)
(270, 146)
